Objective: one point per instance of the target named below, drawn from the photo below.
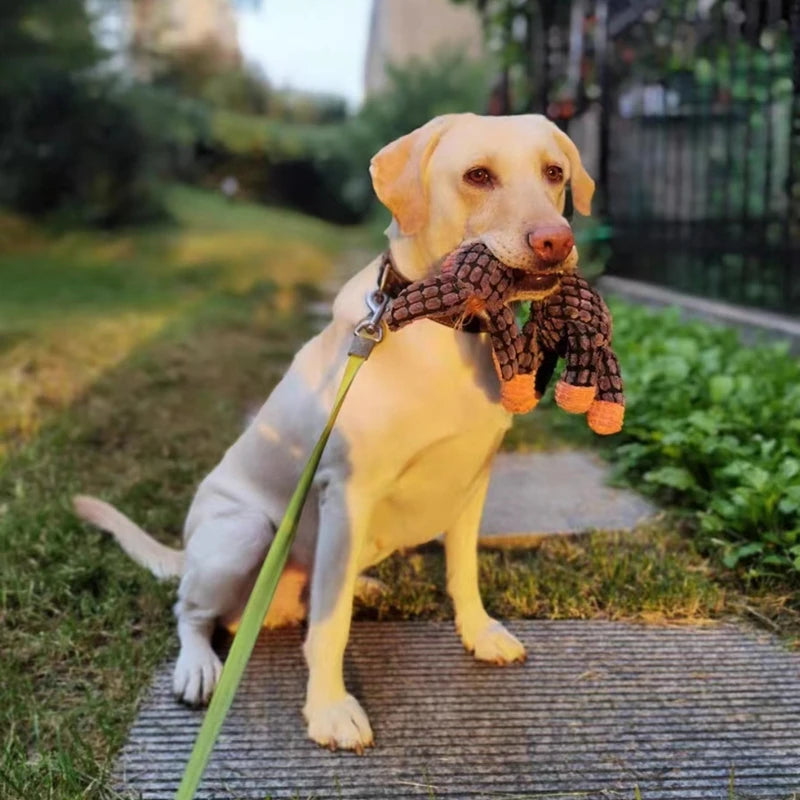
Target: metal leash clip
(369, 331)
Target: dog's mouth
(542, 279)
(526, 282)
(533, 281)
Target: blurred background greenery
(84, 141)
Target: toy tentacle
(517, 392)
(606, 414)
(576, 389)
(437, 296)
(531, 346)
(609, 379)
(537, 358)
(506, 341)
(580, 368)
(528, 360)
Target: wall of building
(402, 30)
(168, 26)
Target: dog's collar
(390, 279)
(392, 282)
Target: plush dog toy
(568, 319)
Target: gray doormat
(597, 709)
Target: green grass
(74, 305)
(653, 575)
(127, 366)
(131, 384)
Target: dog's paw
(196, 674)
(339, 725)
(492, 642)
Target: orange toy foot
(605, 417)
(518, 395)
(574, 399)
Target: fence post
(793, 177)
(601, 56)
(546, 15)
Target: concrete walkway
(597, 709)
(535, 494)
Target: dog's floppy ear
(398, 173)
(582, 184)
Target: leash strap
(367, 334)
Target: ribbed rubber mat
(598, 708)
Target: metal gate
(699, 152)
(693, 110)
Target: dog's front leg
(335, 718)
(485, 637)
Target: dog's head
(502, 180)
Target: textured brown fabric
(574, 322)
(472, 283)
(571, 322)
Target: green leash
(367, 334)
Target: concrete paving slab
(598, 708)
(752, 323)
(536, 494)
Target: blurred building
(401, 30)
(163, 27)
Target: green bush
(714, 427)
(415, 92)
(322, 169)
(74, 148)
(69, 142)
(309, 167)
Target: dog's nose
(551, 244)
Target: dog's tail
(162, 561)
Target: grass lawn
(128, 363)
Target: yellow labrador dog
(411, 452)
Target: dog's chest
(441, 425)
(428, 495)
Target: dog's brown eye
(554, 173)
(480, 176)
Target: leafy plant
(714, 427)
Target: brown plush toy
(569, 321)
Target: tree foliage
(323, 168)
(69, 142)
(39, 37)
